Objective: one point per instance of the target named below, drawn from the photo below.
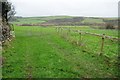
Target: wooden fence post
(102, 44)
(80, 37)
(69, 30)
(69, 35)
(60, 29)
(57, 29)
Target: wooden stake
(69, 30)
(77, 39)
(61, 29)
(102, 44)
(80, 37)
(57, 29)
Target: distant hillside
(36, 20)
(64, 20)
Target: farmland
(60, 39)
(42, 52)
(65, 20)
(37, 20)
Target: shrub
(109, 26)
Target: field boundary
(80, 32)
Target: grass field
(109, 32)
(92, 43)
(29, 21)
(90, 20)
(40, 52)
(38, 20)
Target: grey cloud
(102, 8)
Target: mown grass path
(39, 52)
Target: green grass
(29, 21)
(91, 20)
(42, 53)
(55, 17)
(92, 43)
(113, 33)
(37, 20)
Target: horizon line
(69, 16)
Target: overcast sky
(99, 8)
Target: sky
(88, 8)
